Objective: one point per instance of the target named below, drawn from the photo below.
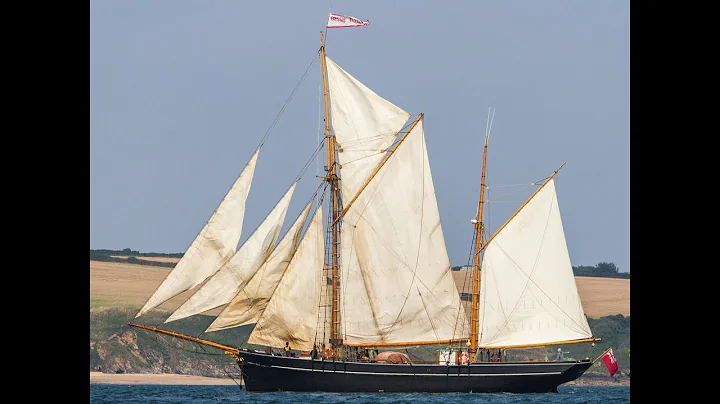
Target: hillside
(118, 289)
(116, 284)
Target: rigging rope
(292, 94)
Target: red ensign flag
(610, 362)
(344, 21)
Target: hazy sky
(182, 92)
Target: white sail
(528, 292)
(292, 312)
(226, 283)
(247, 306)
(364, 125)
(396, 276)
(214, 245)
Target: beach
(163, 378)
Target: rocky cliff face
(121, 353)
(597, 379)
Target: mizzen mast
(479, 230)
(479, 245)
(333, 179)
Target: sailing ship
(375, 273)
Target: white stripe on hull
(415, 374)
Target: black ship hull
(263, 372)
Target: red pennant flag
(610, 362)
(345, 21)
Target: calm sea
(122, 393)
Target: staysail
(291, 314)
(226, 282)
(247, 306)
(528, 291)
(214, 245)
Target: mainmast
(479, 230)
(332, 178)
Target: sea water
(142, 393)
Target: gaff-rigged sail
(224, 285)
(214, 245)
(291, 314)
(528, 291)
(247, 306)
(397, 284)
(396, 279)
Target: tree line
(601, 270)
(112, 256)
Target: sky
(182, 92)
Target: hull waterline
(264, 373)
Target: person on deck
(560, 355)
(287, 349)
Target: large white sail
(364, 124)
(396, 276)
(247, 306)
(225, 284)
(214, 245)
(292, 312)
(528, 292)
